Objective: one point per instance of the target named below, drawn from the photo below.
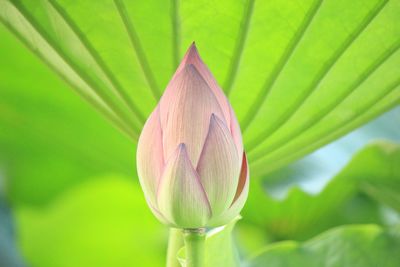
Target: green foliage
(102, 222)
(49, 138)
(371, 177)
(299, 75)
(355, 246)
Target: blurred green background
(299, 76)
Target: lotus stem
(175, 242)
(194, 245)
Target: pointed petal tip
(193, 51)
(181, 198)
(193, 47)
(181, 147)
(182, 150)
(212, 118)
(219, 165)
(216, 121)
(190, 70)
(190, 67)
(192, 55)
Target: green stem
(175, 242)
(194, 244)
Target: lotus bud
(190, 157)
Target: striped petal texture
(190, 157)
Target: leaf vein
(176, 33)
(107, 108)
(270, 81)
(138, 49)
(351, 123)
(241, 40)
(120, 91)
(362, 78)
(318, 79)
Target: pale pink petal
(239, 200)
(236, 133)
(185, 110)
(219, 166)
(181, 197)
(192, 57)
(149, 156)
(159, 215)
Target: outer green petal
(181, 197)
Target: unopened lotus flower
(190, 157)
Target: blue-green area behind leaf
(371, 178)
(9, 252)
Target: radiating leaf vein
(138, 49)
(290, 111)
(270, 81)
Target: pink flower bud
(190, 157)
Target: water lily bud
(190, 157)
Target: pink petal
(192, 57)
(185, 111)
(159, 215)
(149, 157)
(236, 133)
(239, 200)
(219, 166)
(181, 197)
